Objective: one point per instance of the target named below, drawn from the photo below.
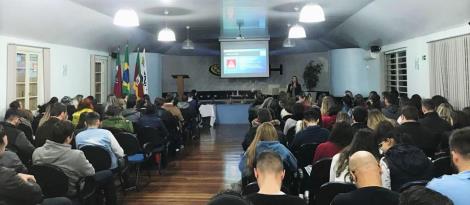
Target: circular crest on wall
(215, 69)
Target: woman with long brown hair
(265, 139)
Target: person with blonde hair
(266, 138)
(375, 118)
(445, 110)
(327, 107)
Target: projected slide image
(241, 61)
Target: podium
(180, 83)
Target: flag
(138, 87)
(126, 88)
(143, 71)
(118, 80)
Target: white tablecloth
(208, 110)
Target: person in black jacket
(391, 109)
(365, 173)
(313, 133)
(58, 113)
(264, 115)
(421, 137)
(431, 120)
(294, 88)
(359, 117)
(17, 140)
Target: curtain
(450, 69)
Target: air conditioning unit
(373, 53)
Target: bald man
(365, 173)
(269, 173)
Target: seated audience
(328, 107)
(390, 109)
(171, 122)
(150, 119)
(266, 138)
(131, 113)
(416, 101)
(95, 136)
(312, 132)
(263, 115)
(373, 101)
(58, 112)
(9, 159)
(347, 105)
(375, 117)
(84, 106)
(457, 186)
(57, 151)
(186, 110)
(22, 189)
(431, 119)
(17, 140)
(363, 140)
(419, 195)
(358, 100)
(420, 136)
(340, 137)
(343, 117)
(365, 173)
(116, 120)
(68, 102)
(297, 115)
(402, 162)
(269, 173)
(445, 110)
(359, 118)
(170, 106)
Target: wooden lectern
(180, 83)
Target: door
(29, 77)
(99, 77)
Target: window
(99, 78)
(396, 71)
(29, 77)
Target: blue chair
(134, 153)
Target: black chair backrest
(51, 179)
(408, 185)
(129, 143)
(305, 154)
(442, 166)
(28, 131)
(99, 157)
(228, 199)
(320, 174)
(290, 135)
(150, 135)
(329, 190)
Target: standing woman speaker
(294, 89)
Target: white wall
(351, 70)
(197, 67)
(76, 79)
(418, 69)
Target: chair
(442, 166)
(228, 198)
(153, 142)
(134, 153)
(98, 157)
(320, 174)
(408, 185)
(51, 179)
(305, 154)
(329, 190)
(290, 136)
